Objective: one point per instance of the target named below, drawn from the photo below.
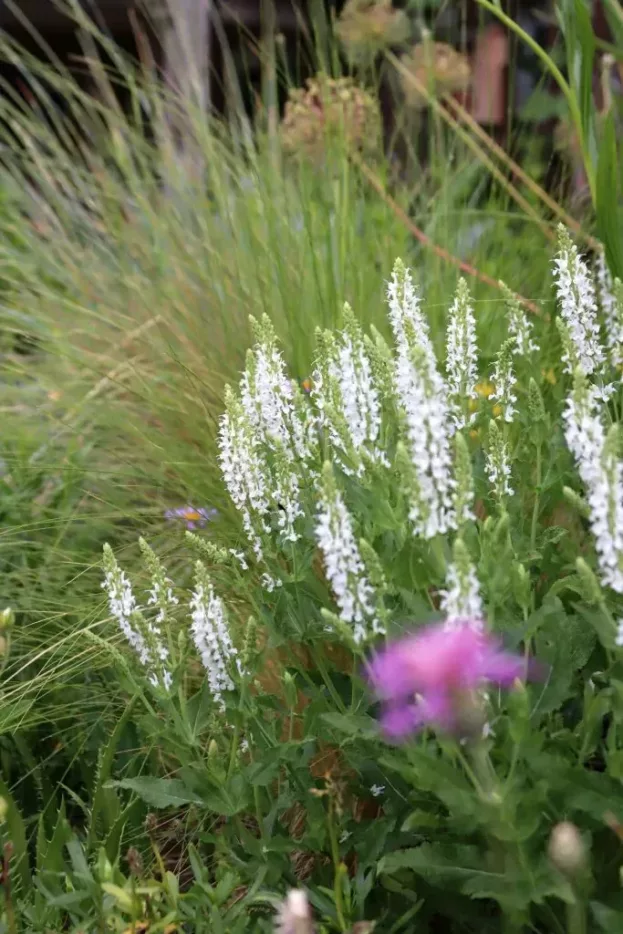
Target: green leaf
(439, 863)
(160, 792)
(50, 853)
(350, 725)
(609, 216)
(229, 799)
(16, 832)
(99, 793)
(580, 49)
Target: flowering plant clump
(397, 669)
(326, 110)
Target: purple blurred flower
(433, 676)
(193, 517)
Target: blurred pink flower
(428, 677)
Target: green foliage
(128, 803)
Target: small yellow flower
(497, 410)
(472, 405)
(475, 433)
(484, 389)
(549, 376)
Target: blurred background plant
(138, 235)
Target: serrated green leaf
(16, 832)
(160, 792)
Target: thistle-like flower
(344, 565)
(519, 327)
(504, 380)
(461, 602)
(461, 355)
(497, 463)
(143, 635)
(347, 398)
(436, 677)
(597, 458)
(210, 633)
(576, 297)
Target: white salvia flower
(270, 583)
(161, 591)
(343, 563)
(461, 601)
(461, 354)
(421, 393)
(244, 745)
(601, 471)
(244, 470)
(240, 558)
(210, 633)
(619, 635)
(463, 481)
(519, 327)
(497, 463)
(504, 381)
(273, 402)
(377, 790)
(407, 320)
(267, 440)
(347, 398)
(609, 308)
(144, 636)
(578, 308)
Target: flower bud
(4, 810)
(566, 849)
(289, 690)
(591, 591)
(535, 402)
(521, 586)
(294, 916)
(7, 618)
(574, 499)
(213, 751)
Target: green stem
(576, 917)
(327, 680)
(337, 869)
(537, 492)
(558, 77)
(235, 742)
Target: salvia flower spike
(598, 462)
(461, 354)
(576, 301)
(210, 633)
(144, 635)
(343, 563)
(461, 599)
